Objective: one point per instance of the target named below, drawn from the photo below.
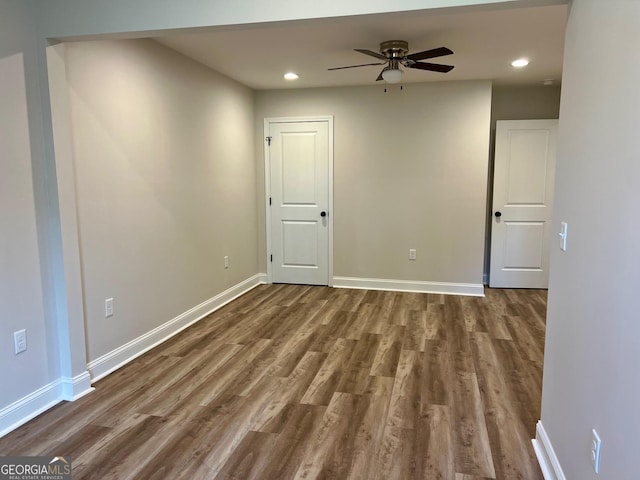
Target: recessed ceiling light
(291, 76)
(521, 62)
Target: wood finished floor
(298, 382)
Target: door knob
(498, 214)
(323, 214)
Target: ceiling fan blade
(432, 67)
(354, 66)
(369, 52)
(380, 76)
(434, 52)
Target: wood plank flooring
(299, 382)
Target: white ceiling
(484, 44)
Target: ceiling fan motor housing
(394, 49)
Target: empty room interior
(334, 240)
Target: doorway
(523, 185)
(299, 199)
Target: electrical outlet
(412, 254)
(596, 444)
(226, 261)
(20, 341)
(108, 307)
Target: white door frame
(267, 185)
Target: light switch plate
(596, 445)
(108, 307)
(563, 236)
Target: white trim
(29, 406)
(267, 193)
(76, 387)
(263, 278)
(267, 185)
(549, 464)
(119, 357)
(471, 289)
(331, 211)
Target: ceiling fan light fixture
(291, 76)
(392, 75)
(519, 63)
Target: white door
(298, 158)
(525, 161)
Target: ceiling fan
(394, 53)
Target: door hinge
(269, 200)
(272, 258)
(268, 139)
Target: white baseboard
(76, 387)
(471, 289)
(29, 406)
(549, 464)
(104, 365)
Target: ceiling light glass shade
(393, 75)
(291, 76)
(521, 62)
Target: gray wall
(165, 177)
(23, 271)
(524, 103)
(592, 352)
(410, 171)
